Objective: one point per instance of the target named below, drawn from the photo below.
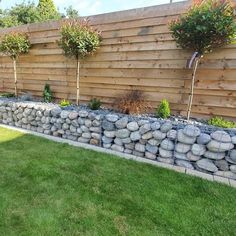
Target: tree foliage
(25, 13)
(208, 24)
(78, 39)
(14, 44)
(48, 10)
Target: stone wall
(188, 146)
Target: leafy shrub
(79, 39)
(7, 95)
(64, 103)
(221, 122)
(133, 102)
(94, 104)
(207, 25)
(47, 93)
(14, 44)
(163, 111)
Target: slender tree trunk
(77, 82)
(15, 77)
(192, 86)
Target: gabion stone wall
(187, 146)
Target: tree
(78, 40)
(208, 24)
(12, 45)
(26, 13)
(48, 10)
(71, 12)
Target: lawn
(48, 188)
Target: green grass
(48, 188)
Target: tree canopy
(25, 13)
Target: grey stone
(64, 114)
(108, 125)
(150, 155)
(221, 136)
(96, 136)
(152, 149)
(155, 126)
(84, 129)
(182, 147)
(181, 156)
(135, 136)
(214, 155)
(226, 174)
(181, 137)
(107, 145)
(130, 146)
(81, 121)
(65, 126)
(139, 147)
(73, 115)
(216, 146)
(207, 165)
(112, 117)
(122, 123)
(154, 142)
(172, 134)
(145, 128)
(96, 123)
(167, 145)
(126, 140)
(233, 169)
(83, 140)
(56, 112)
(203, 139)
(138, 154)
(79, 131)
(167, 126)
(107, 140)
(191, 131)
(184, 164)
(234, 139)
(128, 151)
(88, 123)
(122, 133)
(109, 134)
(147, 135)
(86, 135)
(83, 114)
(222, 165)
(233, 155)
(95, 129)
(198, 149)
(118, 141)
(159, 135)
(142, 122)
(165, 153)
(193, 157)
(133, 126)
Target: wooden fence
(137, 52)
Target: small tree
(208, 24)
(12, 45)
(78, 40)
(48, 10)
